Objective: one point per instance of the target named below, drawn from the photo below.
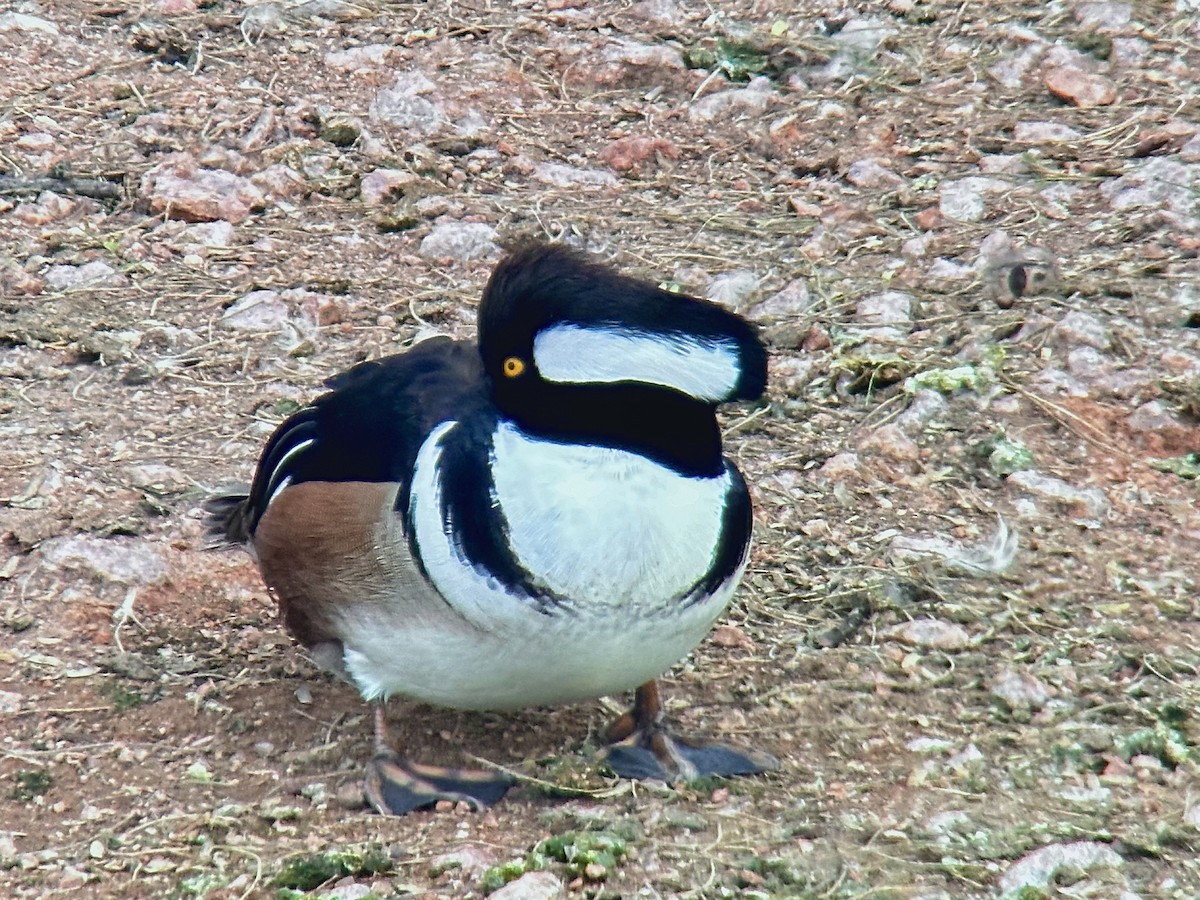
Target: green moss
(1184, 466)
(497, 877)
(590, 855)
(950, 381)
(865, 373)
(340, 134)
(305, 873)
(31, 783)
(1003, 454)
(123, 698)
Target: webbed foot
(396, 785)
(643, 747)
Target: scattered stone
(890, 442)
(212, 234)
(1010, 72)
(1080, 88)
(1003, 164)
(925, 406)
(176, 7)
(1129, 52)
(926, 744)
(871, 173)
(731, 289)
(256, 311)
(793, 300)
(627, 62)
(358, 59)
(793, 374)
(532, 886)
(1079, 328)
(730, 637)
(1089, 503)
(863, 35)
(1159, 183)
(564, 176)
(437, 205)
(889, 315)
(350, 795)
(159, 477)
(383, 185)
(1044, 132)
(963, 199)
(50, 207)
(1039, 868)
(89, 274)
(931, 634)
(840, 466)
(460, 241)
(628, 154)
(752, 99)
(403, 105)
(181, 189)
(13, 21)
(121, 560)
(1103, 16)
(1020, 690)
(280, 182)
(10, 702)
(348, 889)
(471, 860)
(1155, 417)
(263, 19)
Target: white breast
(619, 537)
(608, 529)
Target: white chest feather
(617, 537)
(602, 527)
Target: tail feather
(226, 520)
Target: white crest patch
(705, 369)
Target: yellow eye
(513, 366)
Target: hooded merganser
(540, 518)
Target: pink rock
(183, 190)
(279, 181)
(50, 207)
(934, 634)
(755, 98)
(176, 7)
(384, 184)
(256, 311)
(563, 176)
(871, 173)
(358, 59)
(1044, 132)
(629, 153)
(1080, 88)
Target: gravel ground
(969, 235)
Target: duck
(542, 516)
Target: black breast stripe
(736, 525)
(475, 522)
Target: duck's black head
(576, 351)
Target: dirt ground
(969, 234)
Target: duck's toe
(396, 785)
(642, 746)
(660, 756)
